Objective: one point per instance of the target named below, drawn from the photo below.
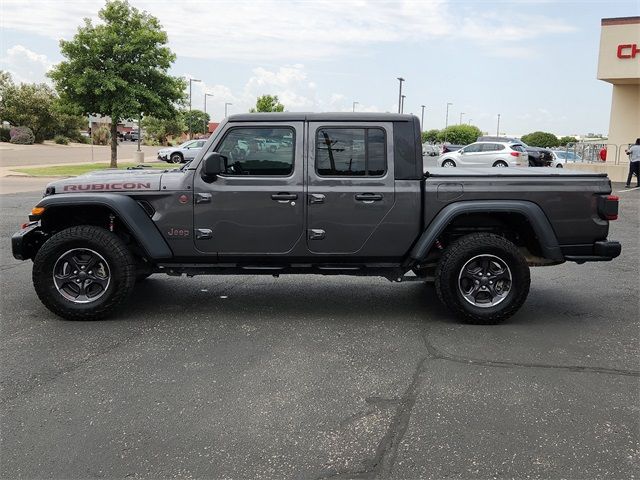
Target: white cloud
(25, 65)
(273, 31)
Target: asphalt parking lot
(312, 377)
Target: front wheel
(83, 273)
(448, 164)
(176, 158)
(483, 278)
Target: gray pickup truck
(335, 194)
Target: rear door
(350, 184)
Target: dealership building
(619, 64)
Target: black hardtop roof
(321, 117)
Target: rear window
(518, 148)
(351, 152)
(492, 147)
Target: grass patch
(75, 170)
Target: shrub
(21, 136)
(147, 140)
(101, 136)
(5, 134)
(61, 140)
(81, 139)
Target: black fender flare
(532, 212)
(126, 209)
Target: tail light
(608, 207)
(515, 154)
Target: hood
(109, 181)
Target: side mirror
(213, 165)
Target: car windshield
(186, 144)
(566, 155)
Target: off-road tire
(462, 251)
(121, 264)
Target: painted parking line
(628, 190)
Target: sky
(533, 62)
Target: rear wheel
(176, 158)
(83, 273)
(483, 278)
(448, 164)
(500, 164)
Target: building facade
(619, 64)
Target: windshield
(567, 155)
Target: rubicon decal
(107, 186)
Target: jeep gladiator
(341, 194)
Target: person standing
(603, 154)
(634, 162)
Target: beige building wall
(619, 64)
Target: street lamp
(191, 80)
(402, 104)
(225, 108)
(461, 114)
(400, 79)
(422, 117)
(206, 130)
(354, 106)
(446, 121)
(498, 127)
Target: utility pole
(354, 106)
(461, 114)
(422, 118)
(498, 127)
(402, 104)
(191, 80)
(400, 79)
(206, 129)
(446, 121)
(225, 108)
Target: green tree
(268, 103)
(159, 129)
(562, 141)
(459, 134)
(541, 139)
(197, 119)
(28, 104)
(430, 136)
(119, 68)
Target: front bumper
(26, 241)
(601, 251)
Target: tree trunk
(114, 143)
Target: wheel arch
(62, 210)
(500, 211)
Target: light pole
(461, 114)
(422, 118)
(225, 108)
(498, 127)
(402, 104)
(354, 106)
(191, 80)
(400, 79)
(206, 130)
(446, 121)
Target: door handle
(204, 234)
(203, 197)
(316, 198)
(284, 197)
(368, 197)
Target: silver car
(562, 157)
(487, 154)
(182, 153)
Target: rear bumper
(602, 251)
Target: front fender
(532, 212)
(126, 209)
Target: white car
(562, 157)
(182, 153)
(487, 154)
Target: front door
(350, 184)
(256, 205)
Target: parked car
(539, 157)
(430, 150)
(562, 157)
(487, 154)
(182, 153)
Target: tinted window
(517, 148)
(351, 151)
(258, 151)
(199, 144)
(492, 147)
(474, 147)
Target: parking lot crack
(437, 354)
